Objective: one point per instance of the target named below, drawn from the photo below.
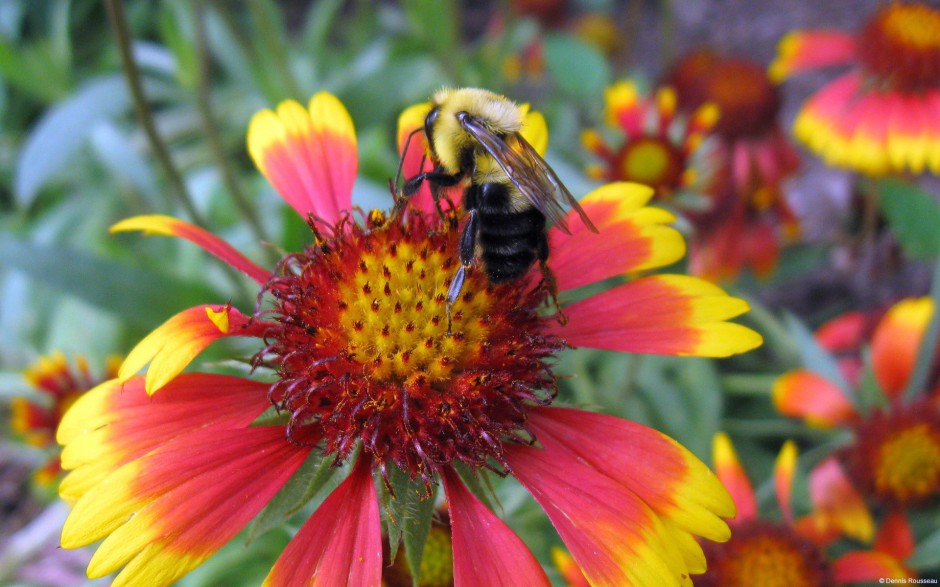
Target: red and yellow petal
(568, 569)
(895, 537)
(784, 468)
(174, 344)
(33, 422)
(732, 475)
(615, 538)
(308, 154)
(837, 503)
(867, 566)
(663, 315)
(169, 226)
(815, 399)
(622, 107)
(113, 423)
(631, 237)
(165, 513)
(671, 480)
(872, 131)
(341, 543)
(804, 50)
(487, 553)
(896, 341)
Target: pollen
(896, 457)
(900, 46)
(369, 352)
(403, 298)
(762, 553)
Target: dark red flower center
(900, 46)
(364, 353)
(896, 455)
(745, 96)
(765, 554)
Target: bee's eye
(429, 124)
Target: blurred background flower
(882, 116)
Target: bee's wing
(531, 175)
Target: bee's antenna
(401, 162)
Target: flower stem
(749, 384)
(204, 105)
(118, 20)
(917, 384)
(272, 39)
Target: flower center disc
(761, 553)
(896, 458)
(901, 46)
(653, 162)
(363, 350)
(910, 463)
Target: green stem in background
(749, 384)
(204, 104)
(145, 117)
(118, 20)
(775, 333)
(917, 384)
(272, 37)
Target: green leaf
(175, 30)
(139, 296)
(309, 479)
(63, 129)
(435, 22)
(816, 358)
(578, 68)
(913, 215)
(927, 555)
(320, 21)
(702, 397)
(119, 155)
(18, 67)
(409, 517)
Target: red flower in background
(58, 386)
(764, 551)
(894, 459)
(749, 214)
(653, 145)
(883, 116)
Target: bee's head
(429, 122)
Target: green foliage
(578, 68)
(914, 215)
(63, 130)
(408, 518)
(308, 482)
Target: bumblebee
(473, 136)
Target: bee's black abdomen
(510, 240)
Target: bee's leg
(548, 278)
(438, 177)
(468, 243)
